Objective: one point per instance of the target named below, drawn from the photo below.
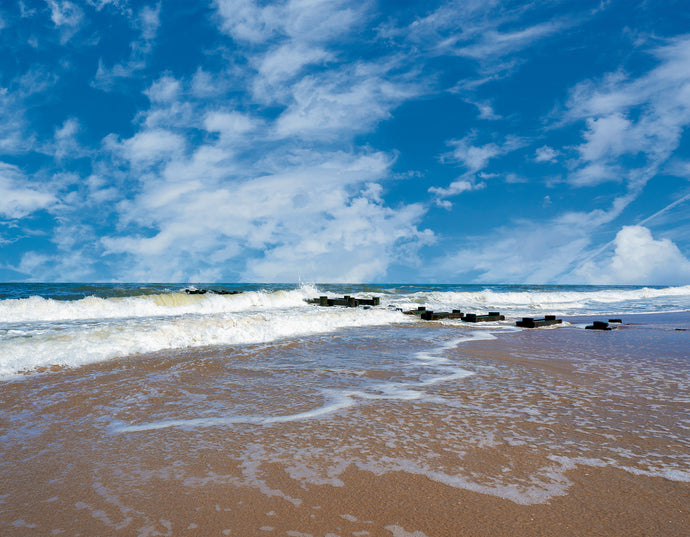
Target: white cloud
(306, 20)
(641, 116)
(513, 178)
(289, 36)
(17, 198)
(100, 191)
(595, 173)
(165, 89)
(229, 124)
(493, 43)
(246, 21)
(486, 110)
(546, 154)
(490, 33)
(12, 123)
(315, 215)
(149, 147)
(473, 158)
(147, 22)
(71, 264)
(532, 251)
(65, 143)
(65, 14)
(25, 12)
(606, 137)
(343, 102)
(34, 263)
(455, 188)
(358, 244)
(281, 64)
(640, 259)
(34, 82)
(519, 253)
(476, 157)
(100, 4)
(207, 85)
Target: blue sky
(345, 141)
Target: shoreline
(558, 431)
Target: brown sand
(64, 473)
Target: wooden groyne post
(530, 322)
(492, 316)
(347, 300)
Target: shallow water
(108, 447)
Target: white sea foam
(559, 301)
(37, 309)
(336, 400)
(77, 343)
(36, 331)
(332, 404)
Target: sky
(535, 142)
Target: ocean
(44, 325)
(243, 409)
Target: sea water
(107, 391)
(44, 325)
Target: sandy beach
(555, 432)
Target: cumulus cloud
(640, 259)
(314, 215)
(263, 161)
(520, 253)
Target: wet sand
(557, 432)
